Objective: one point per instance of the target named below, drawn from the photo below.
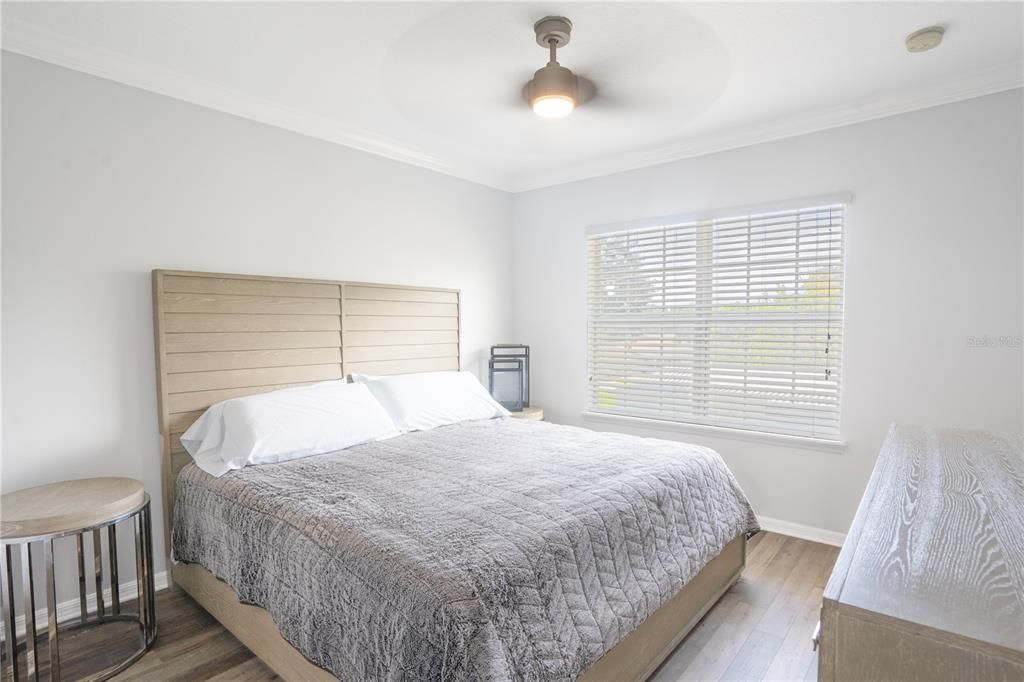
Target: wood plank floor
(760, 630)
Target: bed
(484, 550)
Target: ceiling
(440, 84)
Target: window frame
(836, 444)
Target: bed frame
(224, 336)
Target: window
(730, 321)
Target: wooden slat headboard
(225, 336)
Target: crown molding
(999, 79)
(32, 41)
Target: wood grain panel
(358, 339)
(179, 422)
(355, 307)
(898, 654)
(250, 359)
(179, 458)
(403, 366)
(407, 352)
(265, 305)
(386, 323)
(200, 400)
(194, 322)
(226, 341)
(249, 286)
(240, 378)
(930, 497)
(936, 555)
(397, 294)
(176, 447)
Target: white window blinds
(733, 322)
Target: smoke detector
(925, 39)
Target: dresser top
(938, 539)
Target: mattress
(486, 550)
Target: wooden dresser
(929, 584)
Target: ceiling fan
(555, 91)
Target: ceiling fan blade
(586, 90)
(590, 96)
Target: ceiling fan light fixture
(552, 91)
(554, 106)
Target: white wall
(102, 183)
(934, 243)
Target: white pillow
(286, 424)
(419, 402)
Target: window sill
(818, 444)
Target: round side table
(36, 518)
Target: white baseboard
(71, 610)
(799, 530)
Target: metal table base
(10, 667)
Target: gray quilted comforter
(487, 550)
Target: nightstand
(40, 518)
(533, 414)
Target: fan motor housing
(552, 80)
